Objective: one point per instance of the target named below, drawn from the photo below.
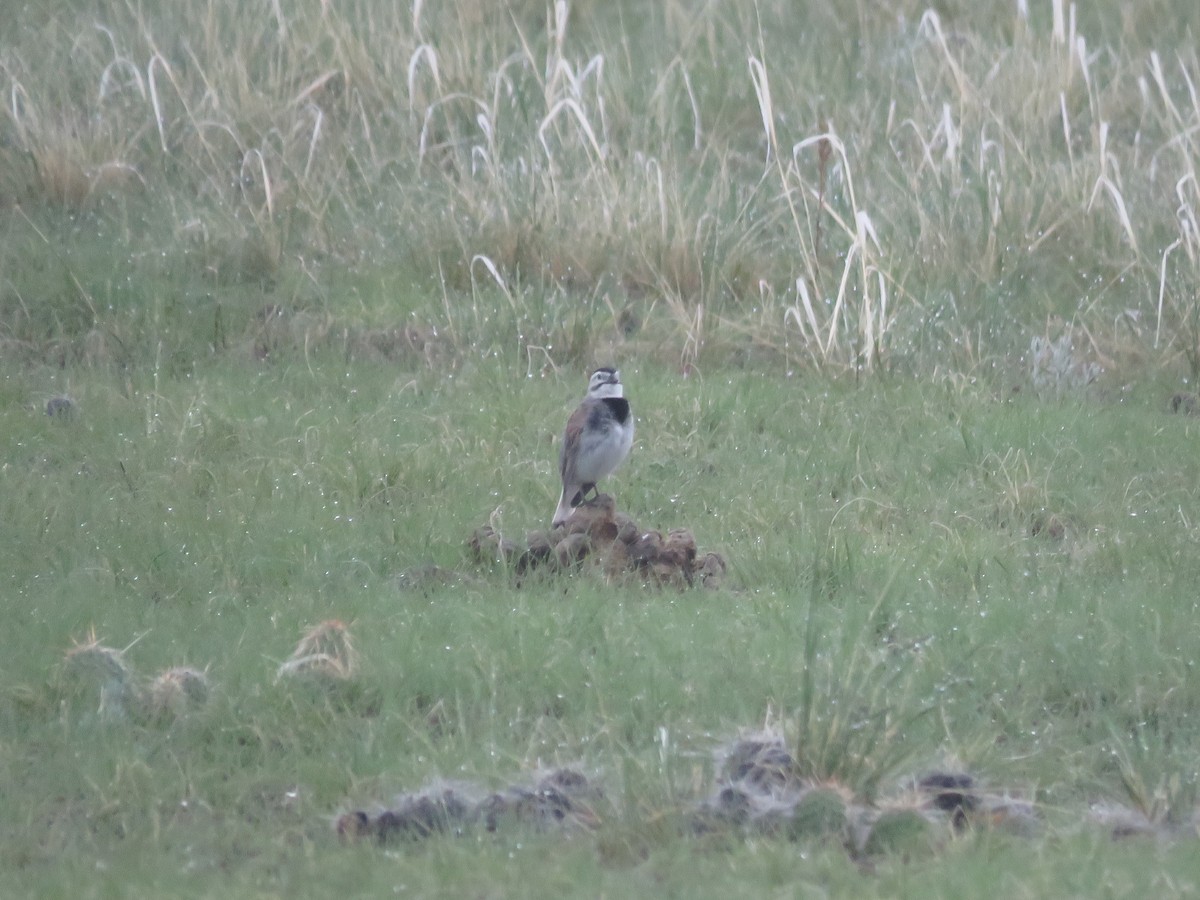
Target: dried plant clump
(92, 665)
(761, 788)
(900, 832)
(761, 761)
(326, 650)
(599, 538)
(175, 692)
(951, 792)
(488, 547)
(406, 343)
(1122, 821)
(414, 816)
(819, 813)
(1184, 403)
(958, 798)
(557, 166)
(61, 179)
(91, 660)
(427, 578)
(61, 407)
(1048, 525)
(275, 328)
(123, 695)
(1056, 368)
(562, 799)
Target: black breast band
(619, 407)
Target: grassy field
(295, 297)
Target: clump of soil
(599, 538)
(561, 799)
(413, 816)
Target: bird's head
(605, 382)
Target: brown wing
(569, 452)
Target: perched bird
(597, 440)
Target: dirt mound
(599, 538)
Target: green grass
(899, 300)
(1051, 666)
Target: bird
(597, 439)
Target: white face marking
(605, 384)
